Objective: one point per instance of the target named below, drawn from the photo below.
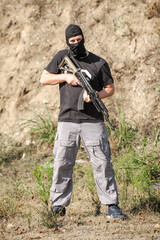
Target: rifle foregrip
(80, 105)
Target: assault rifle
(84, 79)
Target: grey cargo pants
(95, 140)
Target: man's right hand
(52, 79)
(72, 80)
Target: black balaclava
(77, 49)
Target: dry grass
(25, 183)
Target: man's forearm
(52, 79)
(108, 91)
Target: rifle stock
(67, 64)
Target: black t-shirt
(100, 77)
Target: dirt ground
(80, 221)
(82, 226)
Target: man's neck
(87, 53)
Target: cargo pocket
(66, 149)
(98, 148)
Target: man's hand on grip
(72, 80)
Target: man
(86, 125)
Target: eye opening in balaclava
(77, 49)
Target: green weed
(8, 208)
(124, 29)
(124, 133)
(10, 151)
(41, 127)
(48, 218)
(16, 191)
(43, 177)
(91, 186)
(135, 172)
(157, 136)
(158, 88)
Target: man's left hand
(86, 97)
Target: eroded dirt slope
(125, 33)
